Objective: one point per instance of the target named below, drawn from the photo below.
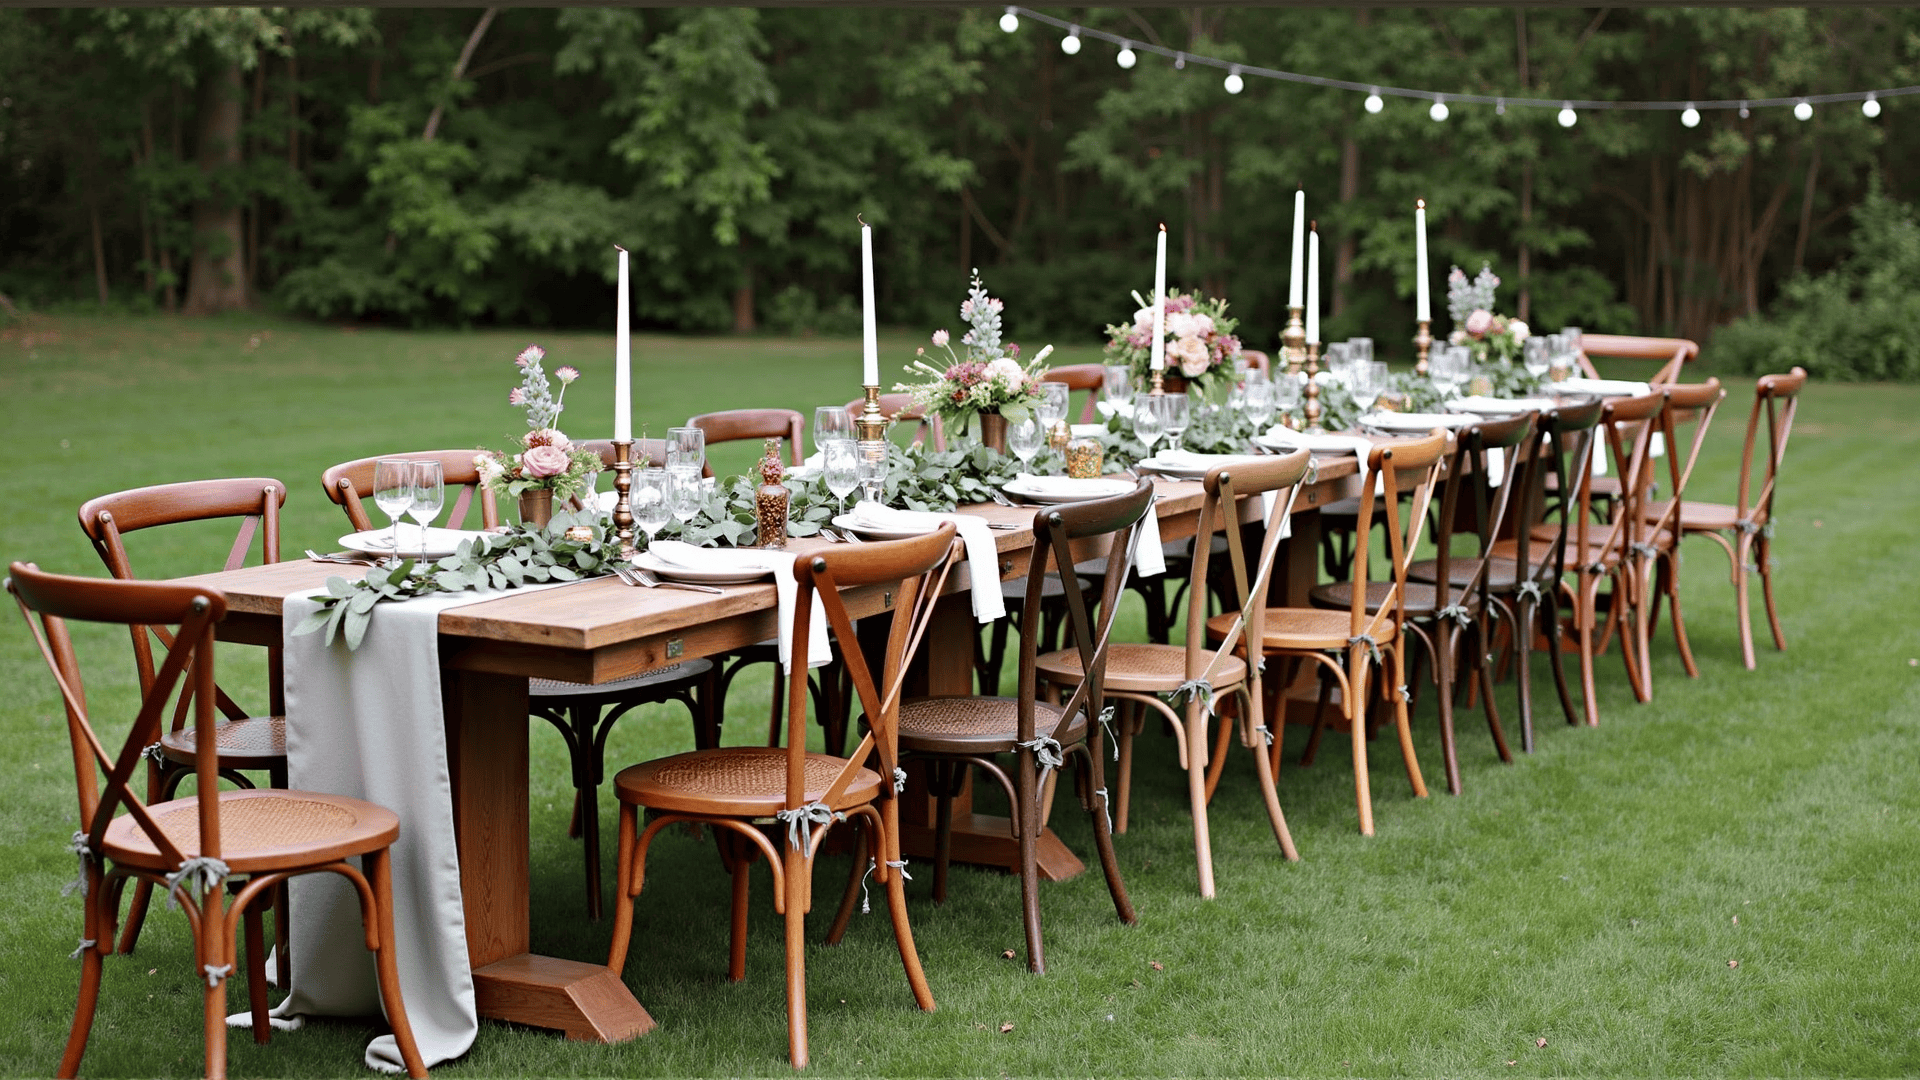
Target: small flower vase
(770, 500)
(536, 507)
(1172, 382)
(993, 431)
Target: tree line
(458, 166)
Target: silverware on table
(1000, 497)
(633, 575)
(344, 558)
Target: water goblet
(1337, 360)
(1174, 414)
(1117, 383)
(1369, 379)
(687, 448)
(1146, 419)
(1053, 407)
(831, 423)
(1025, 438)
(393, 492)
(684, 491)
(841, 467)
(1536, 355)
(651, 500)
(1286, 393)
(1447, 369)
(1360, 348)
(429, 495)
(1259, 405)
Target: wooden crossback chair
(734, 425)
(1090, 378)
(191, 847)
(245, 741)
(1193, 675)
(951, 733)
(736, 790)
(351, 482)
(1670, 353)
(1687, 405)
(901, 409)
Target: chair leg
(1743, 549)
(282, 936)
(91, 963)
(256, 958)
(1669, 574)
(1403, 723)
(1263, 771)
(214, 999)
(1026, 824)
(622, 891)
(1445, 637)
(1195, 732)
(865, 856)
(1353, 699)
(797, 866)
(1222, 736)
(739, 863)
(1526, 617)
(887, 842)
(947, 777)
(1764, 563)
(1130, 722)
(1093, 788)
(1483, 672)
(379, 865)
(1583, 612)
(1555, 659)
(773, 710)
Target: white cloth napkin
(1493, 406)
(1187, 459)
(983, 559)
(1603, 387)
(1286, 439)
(1148, 559)
(1087, 431)
(780, 563)
(1109, 408)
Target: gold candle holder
(870, 428)
(1293, 341)
(623, 495)
(1312, 390)
(1159, 375)
(1422, 343)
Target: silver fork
(343, 560)
(633, 575)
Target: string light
(1803, 111)
(1500, 107)
(1126, 59)
(1568, 117)
(1868, 99)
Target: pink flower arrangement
(989, 379)
(545, 462)
(547, 458)
(1200, 338)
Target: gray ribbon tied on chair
(801, 820)
(866, 908)
(1373, 646)
(1101, 794)
(899, 779)
(1196, 688)
(1458, 613)
(216, 972)
(1047, 752)
(1650, 550)
(79, 847)
(85, 944)
(195, 877)
(1532, 589)
(153, 753)
(1266, 733)
(1106, 724)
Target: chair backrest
(917, 570)
(1626, 429)
(733, 425)
(1671, 353)
(1258, 361)
(1088, 377)
(1224, 486)
(1687, 404)
(653, 452)
(1407, 466)
(1055, 529)
(1561, 443)
(899, 408)
(256, 501)
(348, 483)
(1470, 480)
(1778, 397)
(182, 684)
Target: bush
(1854, 323)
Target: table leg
(487, 755)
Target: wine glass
(831, 423)
(393, 491)
(687, 448)
(1052, 408)
(1369, 378)
(683, 491)
(1117, 385)
(429, 495)
(650, 498)
(1259, 406)
(1025, 439)
(1537, 354)
(1360, 348)
(1286, 393)
(1338, 358)
(841, 467)
(1560, 361)
(1448, 369)
(1174, 415)
(1146, 419)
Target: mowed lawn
(1724, 881)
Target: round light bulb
(1690, 118)
(1235, 83)
(1438, 111)
(1871, 107)
(1071, 43)
(1009, 22)
(1568, 117)
(1126, 59)
(1803, 111)
(1374, 104)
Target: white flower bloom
(1007, 371)
(1519, 330)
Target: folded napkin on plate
(1603, 387)
(1148, 559)
(1109, 408)
(983, 559)
(687, 557)
(1407, 421)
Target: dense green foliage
(440, 167)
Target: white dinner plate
(1287, 444)
(877, 532)
(1061, 489)
(737, 576)
(1493, 406)
(1414, 423)
(439, 542)
(1189, 468)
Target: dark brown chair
(1349, 646)
(1158, 677)
(734, 425)
(1088, 377)
(735, 789)
(900, 408)
(951, 733)
(246, 742)
(1744, 530)
(192, 847)
(351, 482)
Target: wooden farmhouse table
(601, 630)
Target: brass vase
(993, 431)
(536, 507)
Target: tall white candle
(1159, 360)
(870, 343)
(1313, 283)
(1422, 304)
(1299, 245)
(622, 358)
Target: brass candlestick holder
(870, 433)
(623, 492)
(1159, 375)
(1312, 390)
(1422, 343)
(1293, 340)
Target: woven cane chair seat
(258, 743)
(1143, 669)
(1294, 628)
(960, 724)
(260, 830)
(1702, 516)
(1422, 599)
(737, 781)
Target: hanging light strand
(1374, 90)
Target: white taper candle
(622, 358)
(870, 343)
(1422, 303)
(1299, 245)
(1159, 361)
(1313, 283)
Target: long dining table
(600, 630)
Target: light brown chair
(734, 789)
(1670, 353)
(1687, 405)
(1258, 361)
(1349, 646)
(733, 425)
(900, 408)
(1195, 676)
(192, 847)
(351, 482)
(1088, 377)
(1744, 530)
(245, 741)
(952, 733)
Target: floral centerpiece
(1490, 336)
(988, 380)
(547, 465)
(1200, 341)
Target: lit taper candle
(622, 358)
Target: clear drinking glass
(1118, 383)
(1174, 416)
(1286, 391)
(684, 489)
(1259, 407)
(650, 498)
(1560, 361)
(1448, 368)
(1369, 379)
(873, 479)
(1025, 439)
(1338, 357)
(687, 447)
(1536, 354)
(429, 495)
(1360, 348)
(1146, 419)
(393, 491)
(1053, 408)
(841, 466)
(831, 423)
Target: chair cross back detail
(733, 425)
(1386, 466)
(1224, 486)
(1562, 441)
(1699, 401)
(1468, 471)
(1778, 397)
(1672, 353)
(350, 482)
(1088, 377)
(1627, 425)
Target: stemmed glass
(1259, 405)
(1286, 392)
(393, 492)
(1560, 362)
(1053, 407)
(1448, 369)
(1360, 348)
(651, 500)
(1146, 420)
(1369, 378)
(1117, 385)
(683, 492)
(1537, 354)
(1338, 358)
(429, 495)
(840, 461)
(1173, 416)
(831, 423)
(687, 449)
(1025, 440)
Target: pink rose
(546, 437)
(1191, 354)
(542, 462)
(1479, 322)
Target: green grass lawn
(1577, 912)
